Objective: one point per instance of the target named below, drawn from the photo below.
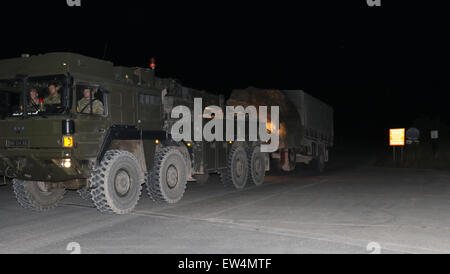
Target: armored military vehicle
(71, 122)
(306, 128)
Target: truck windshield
(48, 95)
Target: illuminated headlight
(66, 163)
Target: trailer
(306, 125)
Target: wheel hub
(239, 167)
(42, 187)
(258, 166)
(172, 176)
(122, 183)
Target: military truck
(306, 125)
(111, 146)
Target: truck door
(92, 110)
(149, 111)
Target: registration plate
(17, 143)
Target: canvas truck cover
(316, 116)
(301, 115)
(291, 131)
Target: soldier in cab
(53, 98)
(85, 103)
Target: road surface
(353, 208)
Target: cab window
(11, 97)
(90, 100)
(49, 95)
(50, 92)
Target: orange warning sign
(397, 137)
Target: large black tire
(85, 193)
(168, 179)
(236, 173)
(292, 161)
(116, 184)
(256, 165)
(319, 164)
(32, 195)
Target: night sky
(378, 67)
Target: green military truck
(71, 122)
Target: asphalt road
(352, 208)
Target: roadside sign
(397, 137)
(434, 134)
(412, 136)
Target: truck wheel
(288, 160)
(292, 159)
(168, 178)
(257, 165)
(34, 195)
(319, 163)
(117, 183)
(85, 194)
(236, 174)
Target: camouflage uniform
(84, 108)
(33, 106)
(53, 100)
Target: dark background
(379, 67)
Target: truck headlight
(67, 163)
(64, 163)
(68, 141)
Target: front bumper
(42, 165)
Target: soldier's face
(87, 93)
(33, 95)
(52, 90)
